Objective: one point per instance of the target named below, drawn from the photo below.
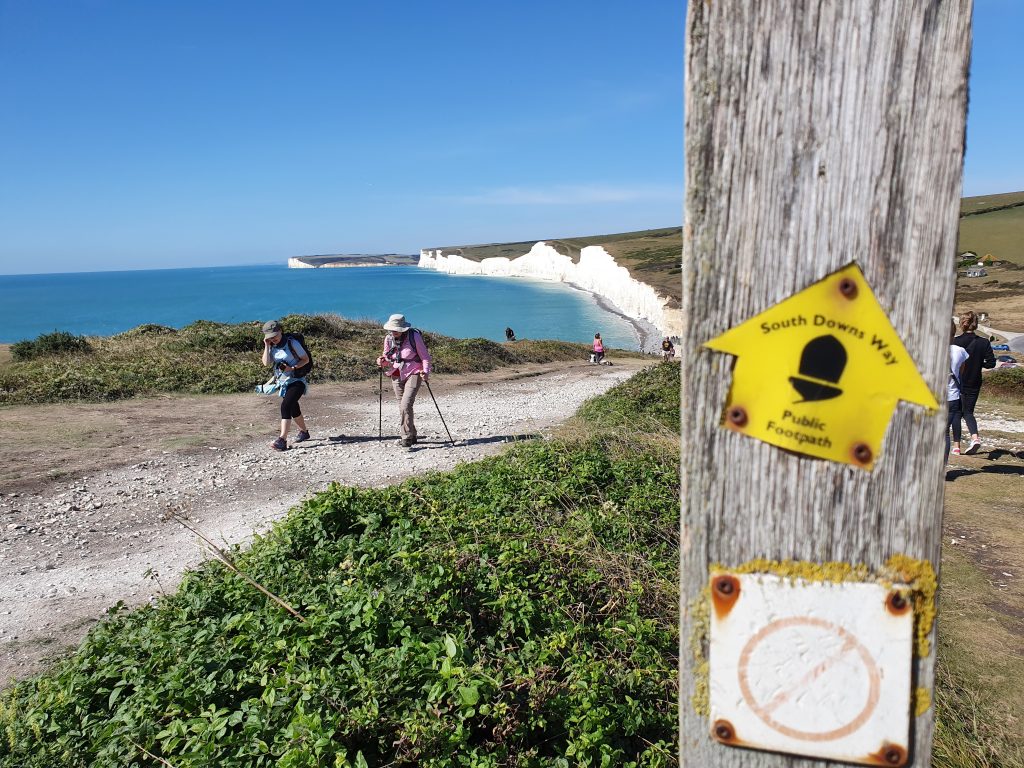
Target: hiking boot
(405, 442)
(973, 447)
(302, 437)
(280, 444)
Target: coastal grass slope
(652, 256)
(993, 224)
(207, 357)
(518, 611)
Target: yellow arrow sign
(820, 373)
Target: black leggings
(955, 413)
(968, 399)
(290, 402)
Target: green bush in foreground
(519, 611)
(207, 357)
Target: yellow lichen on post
(802, 569)
(922, 701)
(700, 616)
(924, 584)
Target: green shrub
(213, 338)
(148, 329)
(1007, 383)
(56, 343)
(647, 401)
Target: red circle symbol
(848, 645)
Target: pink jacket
(412, 354)
(598, 346)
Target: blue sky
(160, 134)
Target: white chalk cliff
(596, 272)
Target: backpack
(391, 351)
(303, 370)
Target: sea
(107, 303)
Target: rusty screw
(897, 603)
(724, 585)
(894, 756)
(737, 416)
(724, 730)
(862, 453)
(848, 288)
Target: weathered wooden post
(824, 145)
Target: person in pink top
(598, 355)
(407, 361)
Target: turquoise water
(105, 303)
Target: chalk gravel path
(73, 548)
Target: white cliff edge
(294, 263)
(596, 272)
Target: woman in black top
(980, 356)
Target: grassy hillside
(993, 224)
(652, 256)
(519, 611)
(972, 206)
(207, 357)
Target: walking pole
(425, 381)
(380, 405)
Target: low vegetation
(207, 357)
(56, 343)
(519, 611)
(1005, 384)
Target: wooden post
(817, 134)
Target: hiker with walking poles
(292, 362)
(406, 361)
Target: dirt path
(86, 489)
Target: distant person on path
(510, 335)
(668, 351)
(980, 355)
(957, 357)
(598, 355)
(407, 361)
(291, 363)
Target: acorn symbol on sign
(821, 364)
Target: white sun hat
(397, 323)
